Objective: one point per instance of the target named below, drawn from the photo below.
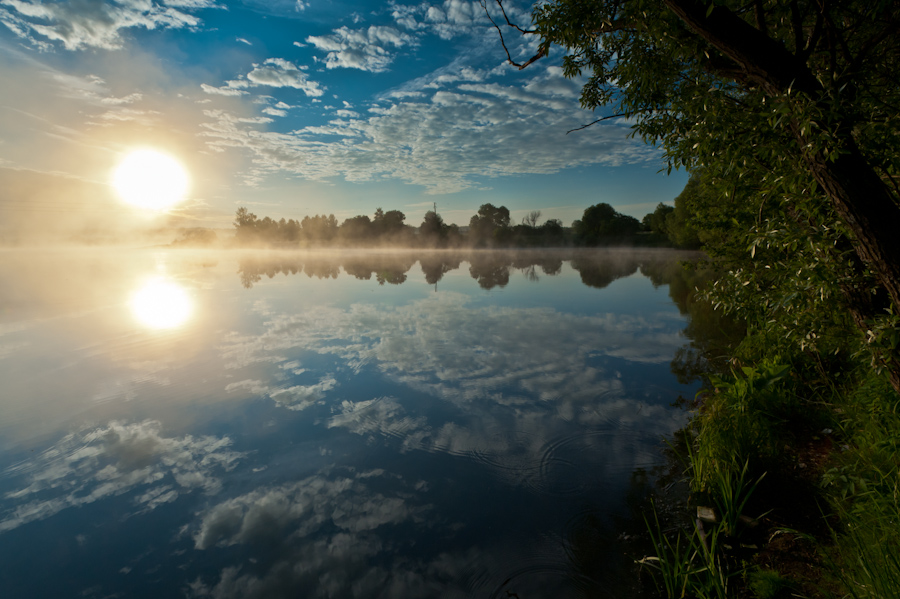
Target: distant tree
(601, 223)
(679, 225)
(388, 223)
(486, 227)
(245, 225)
(356, 230)
(655, 222)
(433, 230)
(243, 218)
(532, 218)
(290, 231)
(319, 228)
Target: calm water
(299, 425)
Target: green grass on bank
(780, 458)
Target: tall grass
(864, 486)
(734, 429)
(689, 565)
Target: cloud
(113, 460)
(273, 72)
(297, 397)
(450, 19)
(444, 140)
(90, 89)
(95, 23)
(226, 90)
(301, 508)
(363, 49)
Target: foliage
(601, 223)
(864, 484)
(790, 110)
(679, 226)
(740, 425)
(488, 226)
(433, 230)
(768, 584)
(692, 564)
(655, 221)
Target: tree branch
(606, 118)
(513, 25)
(541, 51)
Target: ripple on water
(532, 576)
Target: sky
(299, 107)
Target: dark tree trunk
(858, 194)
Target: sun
(150, 179)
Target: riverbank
(792, 463)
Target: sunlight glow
(161, 304)
(150, 179)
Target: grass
(864, 487)
(688, 565)
(756, 434)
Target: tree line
(490, 227)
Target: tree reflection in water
(710, 333)
(598, 268)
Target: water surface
(387, 424)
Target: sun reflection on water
(161, 304)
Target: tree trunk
(858, 194)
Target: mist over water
(282, 424)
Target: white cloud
(277, 72)
(226, 90)
(243, 41)
(273, 72)
(95, 23)
(465, 74)
(327, 528)
(113, 460)
(297, 397)
(451, 19)
(444, 140)
(363, 49)
(299, 509)
(90, 89)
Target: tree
(245, 225)
(319, 228)
(798, 97)
(357, 229)
(433, 230)
(655, 222)
(486, 226)
(602, 223)
(389, 223)
(531, 219)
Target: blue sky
(301, 107)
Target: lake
(351, 424)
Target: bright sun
(150, 179)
